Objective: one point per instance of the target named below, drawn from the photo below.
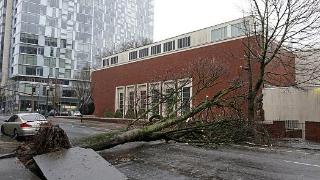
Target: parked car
(77, 113)
(23, 124)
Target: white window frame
(120, 89)
(150, 87)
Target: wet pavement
(7, 145)
(13, 169)
(181, 161)
(77, 164)
(75, 129)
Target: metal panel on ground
(77, 164)
(13, 169)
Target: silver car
(24, 124)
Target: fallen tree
(153, 131)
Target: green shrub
(130, 114)
(142, 114)
(118, 114)
(108, 114)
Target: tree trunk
(251, 109)
(146, 133)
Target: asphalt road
(180, 161)
(75, 129)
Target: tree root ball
(49, 139)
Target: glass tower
(51, 41)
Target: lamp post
(38, 103)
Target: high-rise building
(46, 43)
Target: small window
(133, 55)
(143, 52)
(156, 49)
(169, 46)
(184, 42)
(63, 43)
(114, 60)
(51, 41)
(239, 29)
(219, 34)
(29, 38)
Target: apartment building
(45, 44)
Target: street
(160, 160)
(74, 129)
(182, 161)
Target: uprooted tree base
(48, 139)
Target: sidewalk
(298, 144)
(107, 120)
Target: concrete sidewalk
(298, 144)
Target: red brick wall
(230, 55)
(312, 131)
(277, 130)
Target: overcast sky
(175, 17)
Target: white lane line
(305, 164)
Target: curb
(106, 120)
(7, 156)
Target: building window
(50, 62)
(63, 43)
(156, 49)
(239, 29)
(143, 52)
(186, 98)
(31, 70)
(133, 55)
(120, 100)
(40, 50)
(184, 42)
(155, 101)
(29, 38)
(219, 34)
(170, 101)
(39, 71)
(105, 62)
(114, 60)
(27, 59)
(51, 41)
(143, 100)
(131, 101)
(28, 49)
(62, 63)
(169, 46)
(67, 73)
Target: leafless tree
(279, 31)
(83, 87)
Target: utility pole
(47, 92)
(38, 102)
(32, 99)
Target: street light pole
(38, 103)
(47, 91)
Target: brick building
(137, 72)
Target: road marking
(305, 164)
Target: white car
(23, 124)
(77, 113)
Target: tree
(83, 88)
(204, 74)
(280, 30)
